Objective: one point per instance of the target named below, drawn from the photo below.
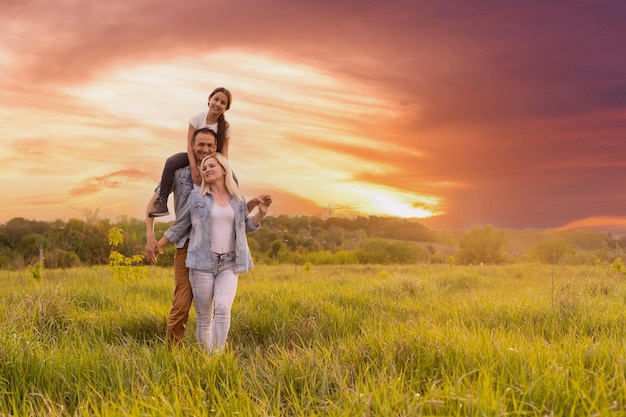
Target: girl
(213, 118)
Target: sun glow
(393, 202)
(370, 199)
(286, 119)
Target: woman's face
(218, 103)
(212, 171)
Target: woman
(219, 101)
(218, 247)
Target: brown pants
(182, 298)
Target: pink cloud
(522, 103)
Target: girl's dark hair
(222, 124)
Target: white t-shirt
(222, 229)
(198, 121)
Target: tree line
(301, 239)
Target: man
(203, 144)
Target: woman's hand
(254, 202)
(265, 201)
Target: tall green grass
(517, 340)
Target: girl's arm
(195, 173)
(151, 242)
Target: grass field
(516, 340)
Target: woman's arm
(181, 225)
(163, 242)
(254, 222)
(253, 202)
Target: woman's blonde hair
(229, 179)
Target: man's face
(204, 145)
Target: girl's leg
(224, 290)
(202, 286)
(174, 162)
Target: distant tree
(134, 235)
(379, 251)
(18, 227)
(482, 245)
(551, 251)
(59, 258)
(5, 261)
(589, 240)
(74, 231)
(4, 240)
(30, 246)
(23, 241)
(276, 248)
(290, 241)
(95, 243)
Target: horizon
(458, 114)
(618, 230)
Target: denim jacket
(181, 188)
(197, 216)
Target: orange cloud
(598, 221)
(113, 180)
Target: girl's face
(218, 103)
(212, 171)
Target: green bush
(481, 245)
(551, 251)
(377, 251)
(59, 258)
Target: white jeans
(213, 295)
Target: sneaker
(160, 208)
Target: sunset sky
(461, 113)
